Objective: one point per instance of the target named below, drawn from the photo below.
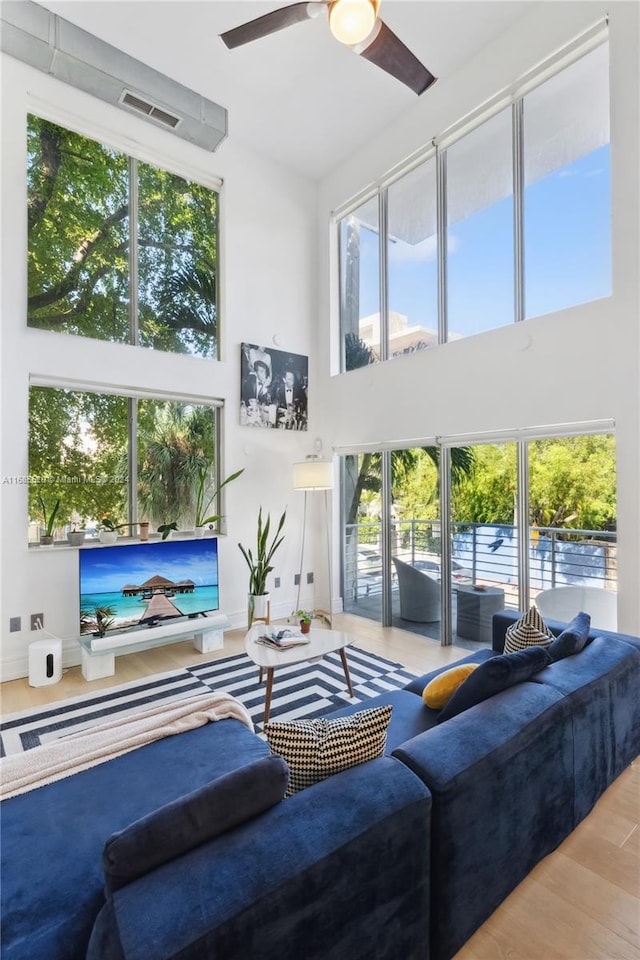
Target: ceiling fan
(353, 22)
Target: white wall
(578, 365)
(269, 239)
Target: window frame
(513, 98)
(133, 396)
(137, 152)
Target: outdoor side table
(476, 608)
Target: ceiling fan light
(351, 21)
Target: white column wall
(268, 289)
(579, 364)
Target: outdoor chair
(419, 594)
(562, 603)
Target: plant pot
(108, 536)
(76, 538)
(200, 531)
(258, 608)
(46, 541)
(304, 626)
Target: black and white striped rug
(301, 690)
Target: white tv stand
(99, 653)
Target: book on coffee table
(281, 639)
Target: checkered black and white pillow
(530, 630)
(316, 749)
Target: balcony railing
(483, 553)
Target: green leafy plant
(260, 565)
(108, 524)
(166, 528)
(303, 615)
(203, 502)
(49, 518)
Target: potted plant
(260, 566)
(305, 618)
(166, 529)
(75, 536)
(203, 501)
(49, 518)
(108, 530)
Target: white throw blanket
(79, 751)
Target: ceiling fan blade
(271, 23)
(383, 48)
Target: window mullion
(517, 113)
(522, 524)
(132, 471)
(133, 251)
(441, 243)
(444, 473)
(384, 277)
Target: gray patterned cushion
(529, 631)
(316, 749)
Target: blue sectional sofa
(403, 856)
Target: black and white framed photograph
(274, 387)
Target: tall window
(567, 204)
(412, 261)
(82, 452)
(480, 229)
(360, 286)
(118, 250)
(559, 208)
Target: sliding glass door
(437, 539)
(484, 540)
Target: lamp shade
(312, 474)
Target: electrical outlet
(276, 582)
(37, 621)
(309, 578)
(296, 580)
(15, 624)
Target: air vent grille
(163, 117)
(150, 110)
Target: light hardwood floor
(580, 903)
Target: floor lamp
(314, 474)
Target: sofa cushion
(530, 630)
(316, 749)
(572, 639)
(409, 716)
(440, 690)
(187, 822)
(494, 675)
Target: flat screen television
(141, 585)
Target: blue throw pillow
(494, 675)
(193, 819)
(572, 639)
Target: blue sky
(567, 255)
(108, 569)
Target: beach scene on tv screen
(146, 584)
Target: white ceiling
(297, 96)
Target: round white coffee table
(320, 643)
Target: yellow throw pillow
(438, 691)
